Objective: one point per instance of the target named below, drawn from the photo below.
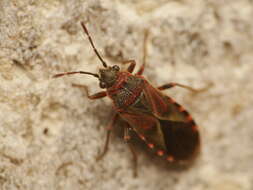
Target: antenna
(75, 72)
(92, 44)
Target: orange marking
(170, 158)
(195, 127)
(181, 109)
(127, 137)
(189, 118)
(142, 137)
(151, 145)
(171, 100)
(160, 153)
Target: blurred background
(50, 133)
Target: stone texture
(50, 133)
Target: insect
(164, 125)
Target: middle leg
(109, 129)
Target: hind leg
(127, 137)
(173, 84)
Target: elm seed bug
(164, 125)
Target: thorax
(126, 90)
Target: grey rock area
(50, 133)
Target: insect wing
(180, 132)
(147, 128)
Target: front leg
(131, 67)
(93, 96)
(141, 70)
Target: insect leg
(131, 67)
(172, 84)
(140, 71)
(109, 129)
(127, 137)
(93, 96)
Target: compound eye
(115, 67)
(102, 84)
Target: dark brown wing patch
(182, 141)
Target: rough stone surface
(50, 133)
